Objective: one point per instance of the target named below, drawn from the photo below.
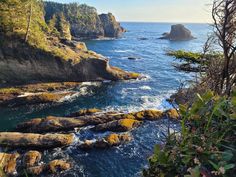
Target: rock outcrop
(107, 142)
(87, 24)
(118, 125)
(178, 33)
(27, 140)
(8, 163)
(111, 27)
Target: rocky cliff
(84, 20)
(32, 50)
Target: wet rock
(118, 125)
(8, 163)
(50, 124)
(172, 114)
(36, 170)
(84, 112)
(106, 142)
(133, 58)
(178, 33)
(31, 158)
(27, 140)
(148, 115)
(56, 166)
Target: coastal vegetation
(205, 144)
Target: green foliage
(206, 145)
(193, 57)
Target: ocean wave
(145, 87)
(123, 51)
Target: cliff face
(111, 27)
(84, 20)
(32, 50)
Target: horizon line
(124, 21)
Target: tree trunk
(29, 22)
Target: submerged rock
(178, 33)
(8, 163)
(29, 140)
(118, 125)
(109, 141)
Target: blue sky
(153, 10)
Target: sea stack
(178, 33)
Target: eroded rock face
(178, 33)
(27, 140)
(118, 125)
(111, 27)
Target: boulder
(178, 33)
(56, 166)
(172, 114)
(122, 125)
(31, 158)
(8, 163)
(150, 115)
(29, 140)
(106, 142)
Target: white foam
(123, 51)
(145, 87)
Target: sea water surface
(161, 80)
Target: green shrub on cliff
(206, 146)
(21, 17)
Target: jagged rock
(118, 125)
(111, 27)
(58, 166)
(172, 114)
(178, 33)
(109, 141)
(31, 158)
(8, 163)
(27, 140)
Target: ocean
(160, 80)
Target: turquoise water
(161, 81)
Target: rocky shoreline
(46, 133)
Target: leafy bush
(206, 146)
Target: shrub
(207, 144)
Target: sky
(195, 11)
